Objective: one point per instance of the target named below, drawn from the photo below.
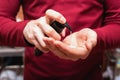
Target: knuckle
(40, 23)
(44, 46)
(47, 12)
(50, 32)
(58, 17)
(31, 37)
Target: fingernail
(62, 20)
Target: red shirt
(101, 15)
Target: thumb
(63, 33)
(88, 45)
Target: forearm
(11, 32)
(108, 36)
(109, 33)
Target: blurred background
(11, 59)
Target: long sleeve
(109, 33)
(11, 32)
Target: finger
(68, 56)
(54, 49)
(91, 36)
(34, 35)
(47, 29)
(61, 54)
(55, 16)
(89, 45)
(72, 51)
(92, 41)
(63, 32)
(38, 38)
(28, 34)
(65, 47)
(39, 35)
(38, 46)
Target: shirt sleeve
(109, 33)
(11, 32)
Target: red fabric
(101, 15)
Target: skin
(77, 45)
(36, 30)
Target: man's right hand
(36, 30)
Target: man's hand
(36, 30)
(75, 46)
